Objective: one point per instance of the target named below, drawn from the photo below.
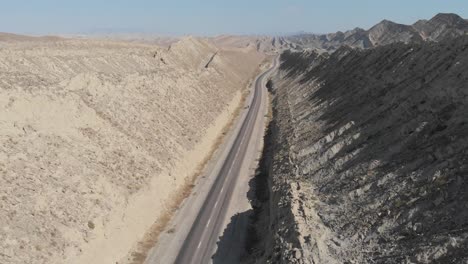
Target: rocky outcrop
(357, 38)
(442, 26)
(367, 157)
(387, 32)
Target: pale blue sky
(211, 17)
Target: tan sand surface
(97, 136)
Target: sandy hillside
(265, 44)
(161, 41)
(97, 136)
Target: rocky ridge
(386, 32)
(367, 157)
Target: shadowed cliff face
(370, 156)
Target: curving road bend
(199, 244)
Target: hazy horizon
(212, 18)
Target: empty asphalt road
(198, 243)
(201, 240)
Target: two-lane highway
(200, 242)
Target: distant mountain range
(386, 32)
(439, 27)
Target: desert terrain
(100, 138)
(110, 143)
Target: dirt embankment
(368, 157)
(98, 136)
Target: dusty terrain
(142, 38)
(264, 44)
(366, 157)
(99, 136)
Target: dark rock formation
(368, 157)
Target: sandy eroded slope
(97, 136)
